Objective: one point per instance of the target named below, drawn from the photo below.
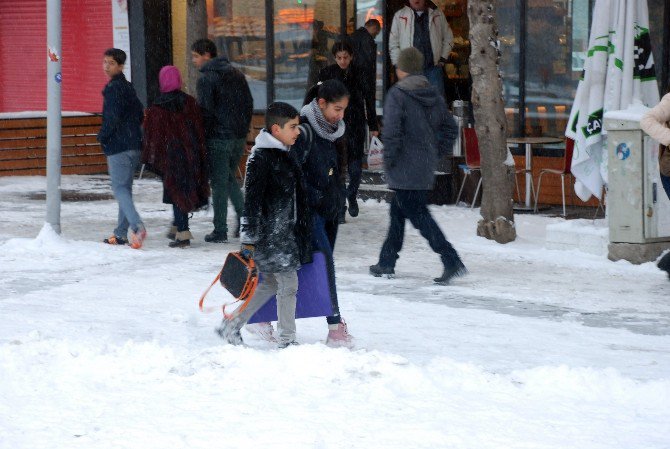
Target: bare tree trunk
(196, 28)
(497, 221)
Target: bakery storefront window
(508, 26)
(555, 48)
(457, 69)
(238, 29)
(305, 31)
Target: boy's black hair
(342, 46)
(279, 113)
(202, 46)
(374, 22)
(117, 54)
(329, 90)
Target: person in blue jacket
(121, 140)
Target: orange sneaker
(137, 238)
(114, 240)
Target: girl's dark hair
(342, 46)
(329, 90)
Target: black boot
(217, 237)
(664, 264)
(353, 206)
(236, 234)
(451, 271)
(378, 271)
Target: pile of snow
(103, 346)
(589, 236)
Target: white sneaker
(263, 330)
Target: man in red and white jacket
(423, 26)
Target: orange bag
(240, 277)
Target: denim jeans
(285, 286)
(411, 205)
(180, 219)
(435, 77)
(122, 168)
(224, 158)
(324, 233)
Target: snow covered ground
(103, 347)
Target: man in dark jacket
(121, 140)
(275, 225)
(365, 59)
(418, 129)
(227, 106)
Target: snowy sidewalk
(103, 347)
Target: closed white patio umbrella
(619, 70)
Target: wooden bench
(23, 146)
(23, 143)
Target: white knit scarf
(319, 123)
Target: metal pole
(270, 50)
(523, 17)
(54, 78)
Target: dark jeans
(412, 205)
(324, 233)
(355, 169)
(180, 219)
(224, 158)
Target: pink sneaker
(340, 337)
(137, 238)
(263, 330)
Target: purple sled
(313, 297)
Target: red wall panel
(86, 34)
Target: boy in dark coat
(174, 148)
(121, 140)
(275, 224)
(227, 106)
(417, 130)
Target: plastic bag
(376, 155)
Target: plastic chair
(565, 171)
(472, 161)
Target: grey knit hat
(410, 60)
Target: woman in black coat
(358, 113)
(322, 125)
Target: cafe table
(528, 143)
